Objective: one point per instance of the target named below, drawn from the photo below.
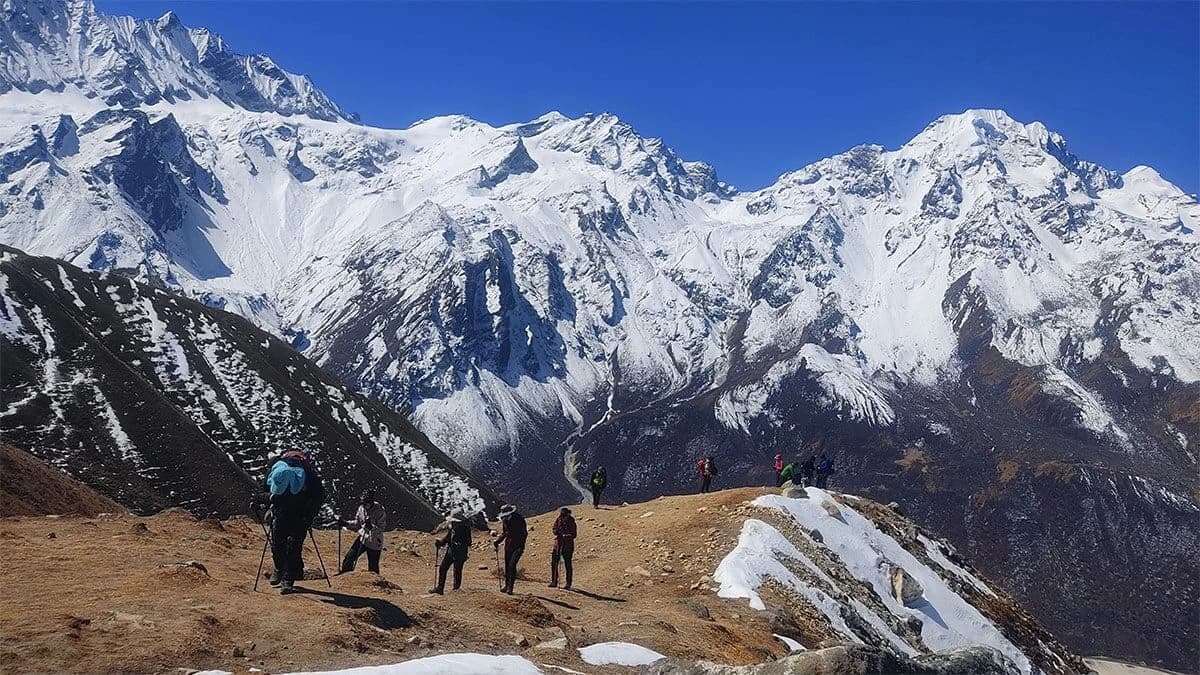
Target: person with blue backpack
(296, 495)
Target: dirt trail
(93, 595)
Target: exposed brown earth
(106, 594)
(29, 487)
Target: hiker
(370, 521)
(707, 469)
(779, 466)
(564, 546)
(599, 482)
(457, 543)
(296, 496)
(824, 471)
(513, 536)
(788, 473)
(806, 472)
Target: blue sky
(754, 89)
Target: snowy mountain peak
(62, 45)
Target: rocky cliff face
(159, 401)
(563, 293)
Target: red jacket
(564, 532)
(778, 463)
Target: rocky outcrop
(852, 660)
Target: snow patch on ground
(618, 654)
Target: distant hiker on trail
(564, 546)
(457, 542)
(599, 482)
(296, 496)
(824, 471)
(787, 473)
(806, 471)
(514, 536)
(707, 469)
(779, 466)
(370, 522)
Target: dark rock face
(852, 660)
(158, 401)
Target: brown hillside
(103, 595)
(30, 487)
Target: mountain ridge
(551, 295)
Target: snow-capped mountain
(160, 401)
(959, 320)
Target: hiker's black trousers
(705, 482)
(287, 543)
(596, 496)
(447, 562)
(511, 558)
(356, 550)
(563, 553)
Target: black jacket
(299, 510)
(457, 540)
(515, 533)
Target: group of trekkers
(296, 493)
(813, 471)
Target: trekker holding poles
(599, 482)
(296, 496)
(564, 546)
(457, 542)
(370, 521)
(514, 536)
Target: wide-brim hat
(456, 516)
(507, 510)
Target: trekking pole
(263, 559)
(437, 553)
(318, 550)
(499, 572)
(339, 546)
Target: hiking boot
(286, 588)
(553, 585)
(274, 578)
(567, 587)
(437, 591)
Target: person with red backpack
(564, 546)
(296, 494)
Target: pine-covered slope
(979, 322)
(157, 401)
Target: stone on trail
(906, 589)
(833, 510)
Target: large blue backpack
(285, 479)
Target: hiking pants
(563, 553)
(596, 496)
(822, 480)
(287, 543)
(511, 558)
(445, 567)
(778, 479)
(356, 550)
(705, 482)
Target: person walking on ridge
(296, 494)
(707, 469)
(806, 471)
(514, 535)
(370, 521)
(599, 482)
(564, 546)
(457, 542)
(824, 471)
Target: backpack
(711, 466)
(285, 479)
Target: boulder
(793, 491)
(816, 536)
(696, 607)
(557, 644)
(905, 588)
(833, 510)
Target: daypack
(711, 467)
(285, 479)
(598, 479)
